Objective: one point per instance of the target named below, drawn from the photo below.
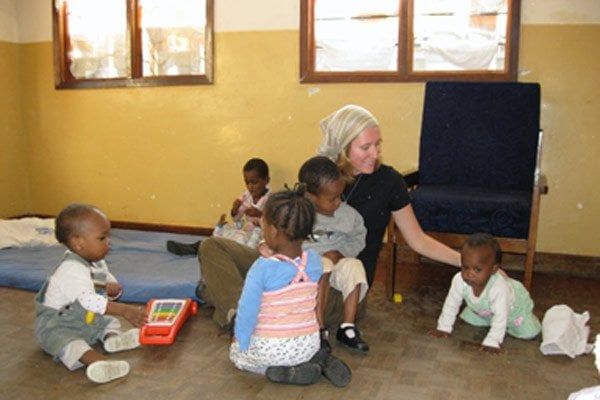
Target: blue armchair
(479, 162)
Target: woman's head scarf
(341, 127)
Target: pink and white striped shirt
(289, 311)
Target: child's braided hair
(291, 212)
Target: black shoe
(332, 368)
(183, 249)
(202, 295)
(355, 343)
(200, 289)
(302, 374)
(324, 335)
(229, 327)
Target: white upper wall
(25, 21)
(9, 31)
(560, 12)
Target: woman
(352, 138)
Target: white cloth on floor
(597, 352)
(27, 232)
(565, 332)
(591, 393)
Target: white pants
(268, 352)
(345, 275)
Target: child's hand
(492, 350)
(264, 249)
(438, 334)
(113, 290)
(235, 207)
(333, 255)
(135, 314)
(253, 212)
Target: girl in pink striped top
(275, 323)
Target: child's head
(256, 177)
(480, 257)
(85, 230)
(288, 216)
(324, 183)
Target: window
(116, 43)
(408, 40)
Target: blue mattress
(138, 259)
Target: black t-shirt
(375, 196)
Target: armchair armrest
(411, 177)
(542, 184)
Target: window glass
(360, 36)
(112, 43)
(408, 40)
(173, 37)
(98, 39)
(459, 35)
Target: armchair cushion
(461, 209)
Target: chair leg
(390, 281)
(532, 236)
(528, 275)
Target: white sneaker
(123, 341)
(106, 371)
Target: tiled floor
(404, 362)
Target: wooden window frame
(63, 79)
(405, 41)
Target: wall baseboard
(143, 226)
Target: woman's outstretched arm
(419, 241)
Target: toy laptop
(165, 318)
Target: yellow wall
(14, 180)
(565, 59)
(174, 155)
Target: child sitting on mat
(492, 298)
(70, 315)
(245, 211)
(276, 331)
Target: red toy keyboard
(165, 318)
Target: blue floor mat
(138, 259)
